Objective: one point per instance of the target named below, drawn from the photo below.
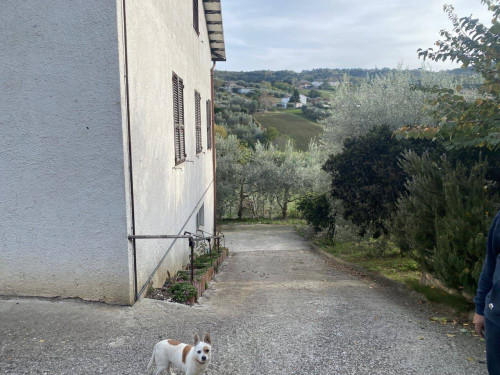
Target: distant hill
(293, 124)
(318, 74)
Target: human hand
(479, 324)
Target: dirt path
(276, 308)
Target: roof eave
(213, 17)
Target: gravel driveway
(275, 308)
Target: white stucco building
(105, 133)
(285, 102)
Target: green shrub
(413, 228)
(202, 261)
(462, 232)
(368, 179)
(444, 218)
(316, 210)
(181, 292)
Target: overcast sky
(307, 34)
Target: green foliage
(295, 97)
(283, 79)
(202, 261)
(232, 157)
(413, 228)
(383, 100)
(314, 94)
(462, 122)
(234, 113)
(269, 135)
(462, 232)
(317, 211)
(315, 113)
(367, 178)
(444, 217)
(182, 292)
(262, 181)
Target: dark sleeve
(486, 279)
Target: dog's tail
(151, 362)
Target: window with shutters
(196, 17)
(209, 124)
(197, 102)
(179, 131)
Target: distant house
(285, 102)
(316, 84)
(107, 137)
(233, 87)
(303, 84)
(245, 91)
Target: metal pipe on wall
(214, 158)
(129, 141)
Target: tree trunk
(242, 198)
(284, 208)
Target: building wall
(63, 220)
(161, 40)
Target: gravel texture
(275, 308)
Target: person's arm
(486, 279)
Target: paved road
(275, 308)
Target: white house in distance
(106, 132)
(285, 102)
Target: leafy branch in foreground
(463, 122)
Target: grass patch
(395, 266)
(295, 125)
(390, 264)
(435, 295)
(324, 93)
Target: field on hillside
(299, 128)
(324, 94)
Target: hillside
(354, 74)
(246, 103)
(293, 124)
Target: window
(196, 17)
(200, 217)
(209, 124)
(179, 132)
(197, 102)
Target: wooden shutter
(197, 100)
(196, 17)
(179, 131)
(209, 124)
(182, 138)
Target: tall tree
(232, 158)
(295, 97)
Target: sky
(307, 34)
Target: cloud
(294, 34)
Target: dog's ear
(196, 340)
(207, 339)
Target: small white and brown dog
(193, 360)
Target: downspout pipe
(213, 145)
(129, 145)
